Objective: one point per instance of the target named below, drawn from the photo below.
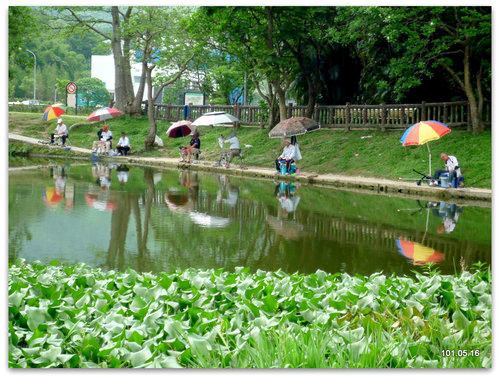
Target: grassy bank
(77, 316)
(365, 153)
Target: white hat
(59, 121)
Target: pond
(152, 220)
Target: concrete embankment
(479, 196)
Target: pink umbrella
(179, 129)
(104, 114)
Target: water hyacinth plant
(78, 316)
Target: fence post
(423, 115)
(365, 116)
(347, 116)
(445, 114)
(316, 113)
(237, 113)
(169, 108)
(212, 107)
(383, 115)
(289, 110)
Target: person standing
(287, 156)
(61, 131)
(234, 147)
(123, 145)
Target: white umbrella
(215, 118)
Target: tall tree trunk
(150, 139)
(124, 94)
(477, 124)
(281, 99)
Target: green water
(116, 217)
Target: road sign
(71, 87)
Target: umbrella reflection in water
(417, 253)
(208, 221)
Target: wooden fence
(348, 116)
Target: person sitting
(287, 157)
(105, 136)
(452, 168)
(193, 148)
(61, 131)
(123, 145)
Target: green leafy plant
(77, 316)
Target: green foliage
(92, 91)
(77, 316)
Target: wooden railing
(348, 116)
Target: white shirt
(106, 135)
(451, 163)
(123, 142)
(61, 129)
(288, 152)
(234, 142)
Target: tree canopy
(309, 54)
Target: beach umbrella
(215, 118)
(104, 114)
(53, 111)
(179, 129)
(294, 126)
(423, 132)
(417, 253)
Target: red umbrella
(104, 114)
(179, 129)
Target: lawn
(365, 153)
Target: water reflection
(285, 223)
(158, 220)
(417, 253)
(53, 195)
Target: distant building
(103, 68)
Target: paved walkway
(479, 196)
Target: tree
(111, 24)
(22, 27)
(162, 42)
(418, 42)
(249, 35)
(92, 91)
